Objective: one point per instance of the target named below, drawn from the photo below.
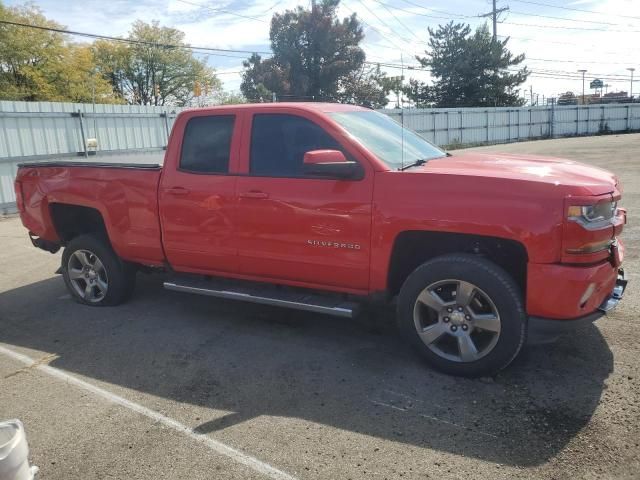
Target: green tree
(419, 93)
(43, 65)
(394, 85)
(316, 56)
(470, 69)
(228, 98)
(79, 80)
(368, 86)
(155, 68)
(262, 78)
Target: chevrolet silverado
(327, 207)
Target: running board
(268, 295)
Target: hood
(554, 171)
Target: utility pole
(531, 94)
(582, 71)
(631, 86)
(495, 21)
(494, 14)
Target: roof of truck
(309, 106)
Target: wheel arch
(414, 247)
(71, 221)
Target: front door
(197, 196)
(298, 229)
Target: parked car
(325, 207)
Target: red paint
(338, 235)
(324, 156)
(554, 290)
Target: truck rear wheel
(463, 314)
(94, 274)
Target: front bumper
(541, 329)
(565, 292)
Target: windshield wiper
(417, 163)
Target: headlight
(600, 212)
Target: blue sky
(556, 41)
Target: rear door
(296, 228)
(197, 194)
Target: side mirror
(330, 163)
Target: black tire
(119, 275)
(492, 282)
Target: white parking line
(214, 445)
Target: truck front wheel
(94, 274)
(464, 314)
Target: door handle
(254, 194)
(177, 191)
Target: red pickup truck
(325, 207)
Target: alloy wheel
(87, 276)
(457, 320)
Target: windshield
(383, 137)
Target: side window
(207, 144)
(279, 142)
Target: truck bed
(122, 193)
(89, 164)
(126, 159)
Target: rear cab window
(206, 146)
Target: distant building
(570, 98)
(615, 97)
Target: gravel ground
(313, 396)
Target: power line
(398, 67)
(560, 27)
(461, 15)
(271, 7)
(573, 9)
(538, 40)
(220, 10)
(564, 75)
(380, 45)
(382, 34)
(428, 10)
(214, 51)
(566, 19)
(553, 60)
(610, 76)
(537, 71)
(451, 14)
(540, 73)
(397, 19)
(385, 23)
(454, 15)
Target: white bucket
(14, 452)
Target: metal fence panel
(39, 130)
(29, 129)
